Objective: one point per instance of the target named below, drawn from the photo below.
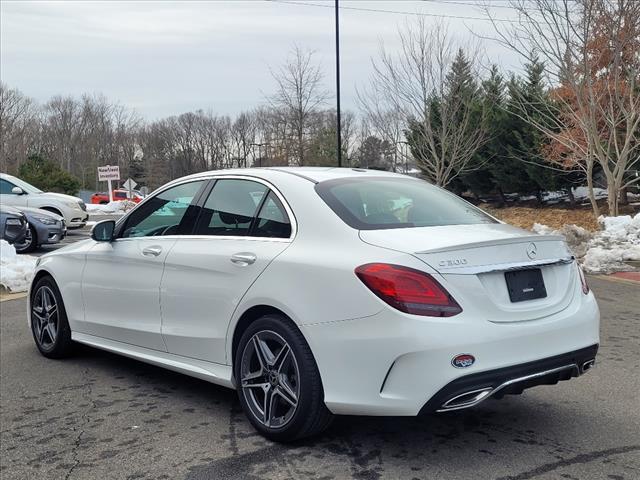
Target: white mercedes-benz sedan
(322, 291)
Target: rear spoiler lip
(488, 243)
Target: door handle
(153, 251)
(243, 259)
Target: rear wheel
(30, 242)
(49, 323)
(279, 385)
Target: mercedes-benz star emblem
(532, 251)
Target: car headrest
(234, 207)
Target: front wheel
(30, 242)
(49, 323)
(278, 382)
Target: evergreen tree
(137, 171)
(48, 176)
(482, 180)
(462, 110)
(374, 153)
(521, 169)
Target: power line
(398, 12)
(471, 3)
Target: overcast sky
(167, 57)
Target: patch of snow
(117, 207)
(582, 193)
(577, 238)
(526, 198)
(605, 251)
(16, 271)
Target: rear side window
(238, 207)
(231, 208)
(272, 221)
(382, 203)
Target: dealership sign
(108, 172)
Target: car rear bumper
(470, 390)
(392, 363)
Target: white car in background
(321, 291)
(18, 193)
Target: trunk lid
(473, 260)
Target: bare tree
(590, 48)
(298, 94)
(413, 86)
(17, 127)
(243, 133)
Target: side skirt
(210, 372)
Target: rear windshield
(377, 203)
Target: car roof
(312, 174)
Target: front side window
(168, 213)
(383, 203)
(231, 208)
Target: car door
(243, 225)
(121, 279)
(7, 197)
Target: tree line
(434, 105)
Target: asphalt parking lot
(98, 415)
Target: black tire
(61, 345)
(310, 415)
(28, 247)
(103, 202)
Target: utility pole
(259, 145)
(405, 154)
(338, 122)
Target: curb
(5, 295)
(622, 277)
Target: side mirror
(17, 191)
(103, 231)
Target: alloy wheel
(45, 317)
(25, 244)
(270, 379)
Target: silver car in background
(44, 228)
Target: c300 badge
(463, 360)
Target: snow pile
(618, 242)
(16, 271)
(605, 251)
(118, 207)
(577, 237)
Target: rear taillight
(408, 290)
(583, 280)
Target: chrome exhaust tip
(588, 365)
(466, 399)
